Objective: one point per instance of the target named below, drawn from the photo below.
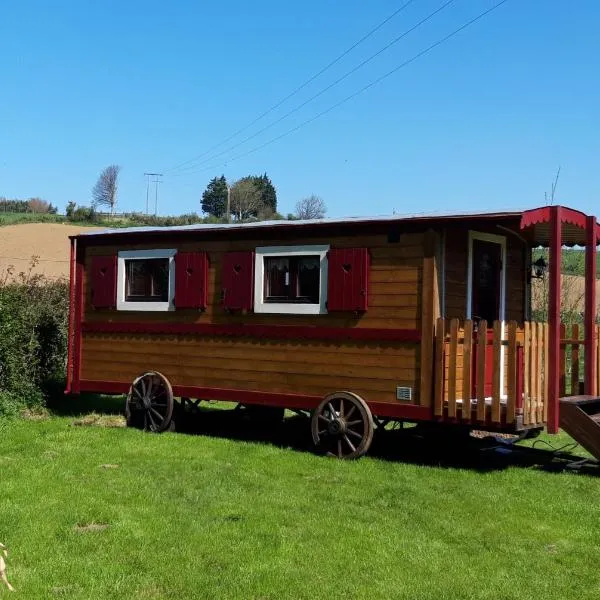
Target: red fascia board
(409, 412)
(289, 332)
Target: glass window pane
(147, 280)
(308, 280)
(277, 279)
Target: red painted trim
(590, 306)
(410, 412)
(71, 333)
(382, 409)
(77, 320)
(281, 332)
(544, 215)
(554, 318)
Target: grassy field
(100, 512)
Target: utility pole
(156, 182)
(148, 175)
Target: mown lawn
(95, 512)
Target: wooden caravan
(421, 318)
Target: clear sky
(481, 122)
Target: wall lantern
(539, 268)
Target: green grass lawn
(96, 512)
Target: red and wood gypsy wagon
(419, 318)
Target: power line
(361, 90)
(299, 88)
(321, 92)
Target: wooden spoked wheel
(342, 425)
(150, 403)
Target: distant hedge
(33, 338)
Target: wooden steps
(580, 418)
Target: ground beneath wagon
(94, 511)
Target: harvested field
(48, 241)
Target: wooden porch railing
(491, 376)
(572, 360)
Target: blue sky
(483, 121)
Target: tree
(70, 209)
(104, 192)
(214, 197)
(246, 199)
(267, 190)
(37, 205)
(312, 207)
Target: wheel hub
(337, 426)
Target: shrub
(83, 213)
(33, 337)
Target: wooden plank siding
(311, 367)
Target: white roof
(304, 223)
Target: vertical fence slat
(440, 347)
(496, 381)
(544, 391)
(452, 368)
(533, 391)
(527, 373)
(481, 352)
(575, 361)
(538, 373)
(562, 385)
(466, 391)
(511, 379)
(539, 367)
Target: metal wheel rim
(342, 426)
(150, 398)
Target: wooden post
(429, 302)
(512, 372)
(71, 334)
(554, 317)
(467, 360)
(590, 306)
(496, 382)
(452, 360)
(440, 348)
(480, 371)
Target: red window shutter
(348, 274)
(103, 279)
(191, 279)
(237, 281)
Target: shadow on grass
(426, 446)
(414, 445)
(62, 405)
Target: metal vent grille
(404, 393)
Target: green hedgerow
(33, 337)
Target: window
(291, 279)
(146, 280)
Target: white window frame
(289, 308)
(124, 255)
(494, 239)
